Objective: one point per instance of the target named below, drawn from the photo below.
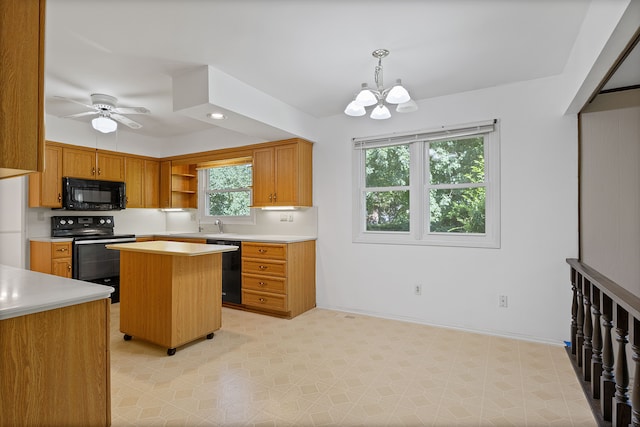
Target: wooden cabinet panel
(110, 167)
(151, 184)
(55, 367)
(45, 188)
(279, 278)
(282, 175)
(21, 86)
(134, 180)
(79, 163)
(263, 177)
(165, 184)
(51, 258)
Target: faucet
(219, 224)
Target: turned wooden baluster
(621, 415)
(579, 320)
(587, 330)
(596, 343)
(608, 380)
(574, 311)
(635, 392)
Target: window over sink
(226, 191)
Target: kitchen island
(54, 335)
(170, 292)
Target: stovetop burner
(82, 226)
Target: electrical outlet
(283, 217)
(417, 290)
(290, 217)
(502, 301)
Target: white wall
(460, 286)
(12, 225)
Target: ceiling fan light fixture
(104, 124)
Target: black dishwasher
(231, 272)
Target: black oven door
(93, 262)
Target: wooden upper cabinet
(142, 179)
(79, 163)
(21, 86)
(151, 184)
(90, 164)
(134, 180)
(110, 166)
(282, 175)
(45, 188)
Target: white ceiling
(310, 54)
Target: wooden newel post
(587, 331)
(574, 311)
(596, 343)
(607, 382)
(621, 407)
(635, 392)
(579, 320)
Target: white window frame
(205, 218)
(419, 186)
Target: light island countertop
(25, 292)
(172, 248)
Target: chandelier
(379, 96)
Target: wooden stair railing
(599, 308)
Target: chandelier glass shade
(104, 124)
(367, 97)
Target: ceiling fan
(108, 113)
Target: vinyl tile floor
(329, 368)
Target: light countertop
(270, 238)
(25, 292)
(172, 248)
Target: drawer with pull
(60, 250)
(256, 266)
(264, 250)
(264, 300)
(264, 283)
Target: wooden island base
(171, 296)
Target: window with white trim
(225, 191)
(434, 187)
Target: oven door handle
(105, 241)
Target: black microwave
(92, 195)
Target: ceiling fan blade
(75, 102)
(126, 121)
(130, 110)
(86, 113)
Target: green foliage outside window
(387, 209)
(460, 209)
(229, 191)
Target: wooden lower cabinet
(279, 278)
(55, 367)
(51, 258)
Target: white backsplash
(304, 223)
(150, 221)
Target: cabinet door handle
(68, 267)
(59, 197)
(99, 171)
(93, 171)
(274, 196)
(262, 267)
(262, 251)
(61, 249)
(270, 197)
(262, 300)
(262, 284)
